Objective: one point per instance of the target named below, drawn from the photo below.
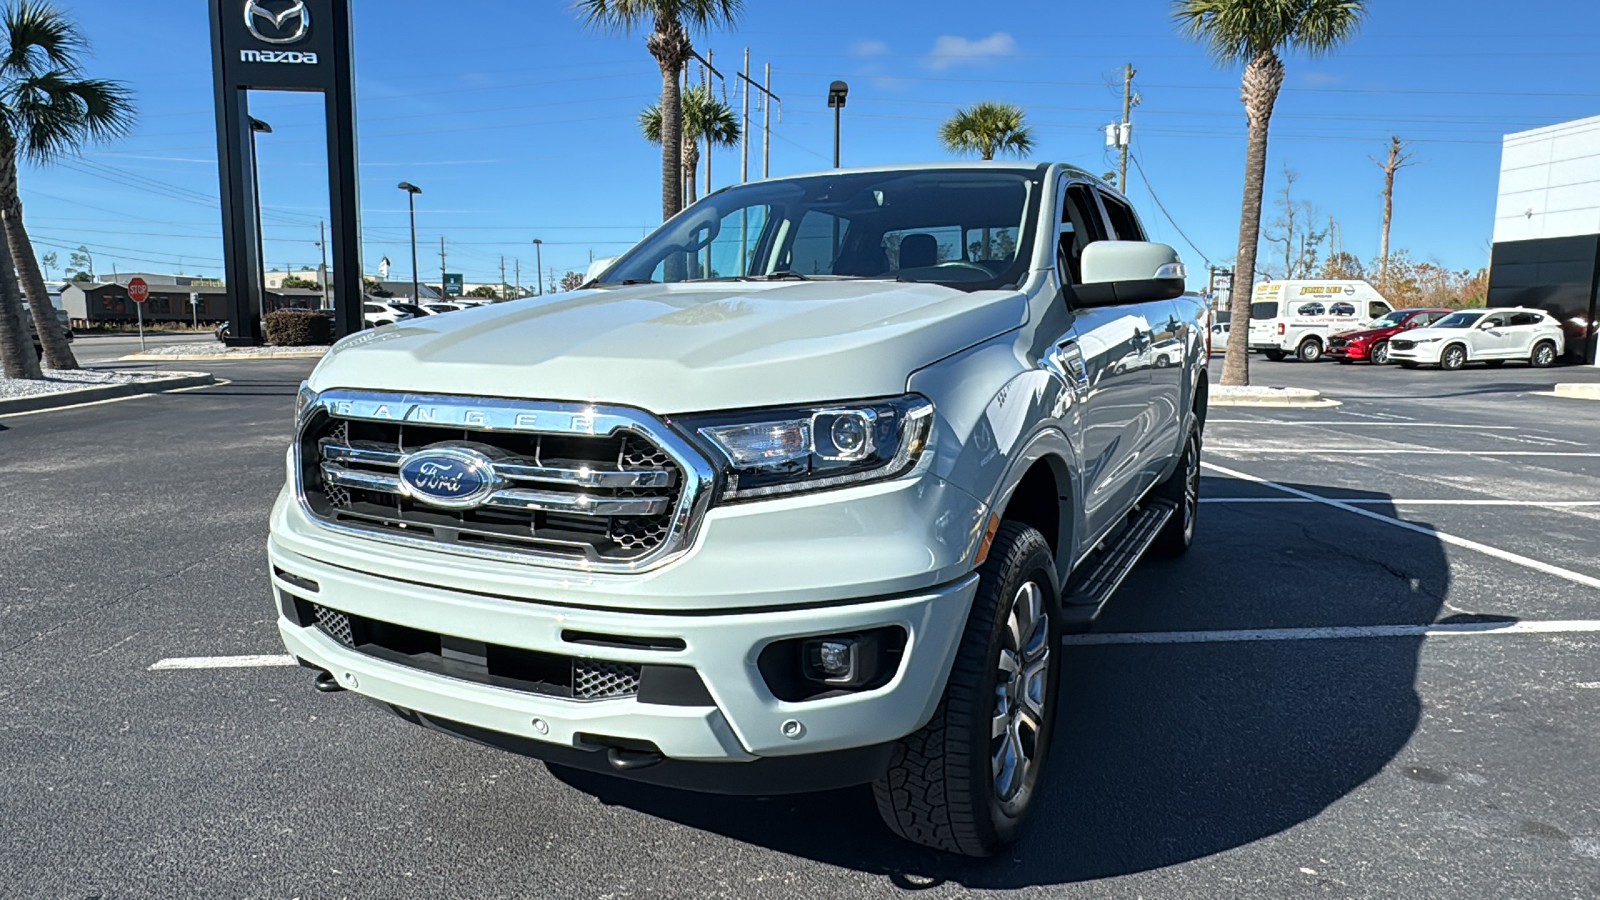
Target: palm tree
(987, 128)
(1252, 32)
(704, 118)
(668, 42)
(47, 110)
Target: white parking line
(1342, 632)
(221, 662)
(1385, 451)
(1210, 421)
(1442, 537)
(1367, 501)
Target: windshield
(1387, 320)
(1264, 309)
(1458, 320)
(968, 228)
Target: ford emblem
(448, 477)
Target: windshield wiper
(626, 281)
(782, 275)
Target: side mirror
(1486, 326)
(598, 268)
(1117, 273)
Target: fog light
(843, 660)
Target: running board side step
(1087, 595)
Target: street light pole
(258, 127)
(538, 265)
(411, 196)
(836, 97)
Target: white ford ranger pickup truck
(800, 492)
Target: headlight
(304, 402)
(787, 451)
(1425, 340)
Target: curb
(1305, 399)
(1578, 391)
(308, 353)
(105, 392)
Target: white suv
(1482, 335)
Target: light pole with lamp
(538, 265)
(836, 96)
(258, 127)
(411, 204)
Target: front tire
(1453, 357)
(1544, 355)
(1380, 353)
(965, 782)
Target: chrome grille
(578, 486)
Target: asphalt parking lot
(1376, 674)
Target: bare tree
(1302, 243)
(1398, 158)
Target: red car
(1372, 342)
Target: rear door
(1521, 331)
(1492, 337)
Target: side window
(1376, 309)
(1309, 309)
(1123, 221)
(1080, 227)
(1526, 319)
(1494, 320)
(1342, 309)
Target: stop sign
(138, 290)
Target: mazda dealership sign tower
(284, 45)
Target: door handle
(1067, 360)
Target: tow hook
(326, 683)
(631, 760)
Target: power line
(1163, 208)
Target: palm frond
(38, 37)
(1236, 31)
(987, 129)
(628, 16)
(53, 114)
(703, 114)
(650, 123)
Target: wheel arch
(1039, 492)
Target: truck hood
(681, 347)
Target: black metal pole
(538, 256)
(836, 110)
(416, 291)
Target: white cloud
(953, 50)
(869, 48)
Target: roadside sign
(453, 283)
(138, 290)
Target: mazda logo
(286, 26)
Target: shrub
(298, 328)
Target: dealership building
(1546, 250)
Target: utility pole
(538, 265)
(504, 294)
(518, 276)
(442, 291)
(707, 78)
(766, 127)
(1127, 127)
(744, 125)
(322, 274)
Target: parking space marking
(221, 662)
(1332, 633)
(1441, 536)
(1341, 424)
(1385, 451)
(1367, 501)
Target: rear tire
(1544, 355)
(1275, 355)
(965, 782)
(1453, 357)
(1183, 488)
(1310, 350)
(1380, 353)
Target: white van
(1297, 316)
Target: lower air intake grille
(594, 679)
(336, 625)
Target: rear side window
(1310, 309)
(1527, 319)
(1123, 221)
(1264, 309)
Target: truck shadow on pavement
(1170, 752)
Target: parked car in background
(1491, 336)
(436, 308)
(1298, 317)
(1219, 336)
(378, 312)
(1372, 342)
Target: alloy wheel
(1191, 485)
(1023, 677)
(1380, 354)
(1454, 358)
(1544, 355)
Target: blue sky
(517, 123)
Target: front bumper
(1352, 351)
(745, 723)
(1423, 354)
